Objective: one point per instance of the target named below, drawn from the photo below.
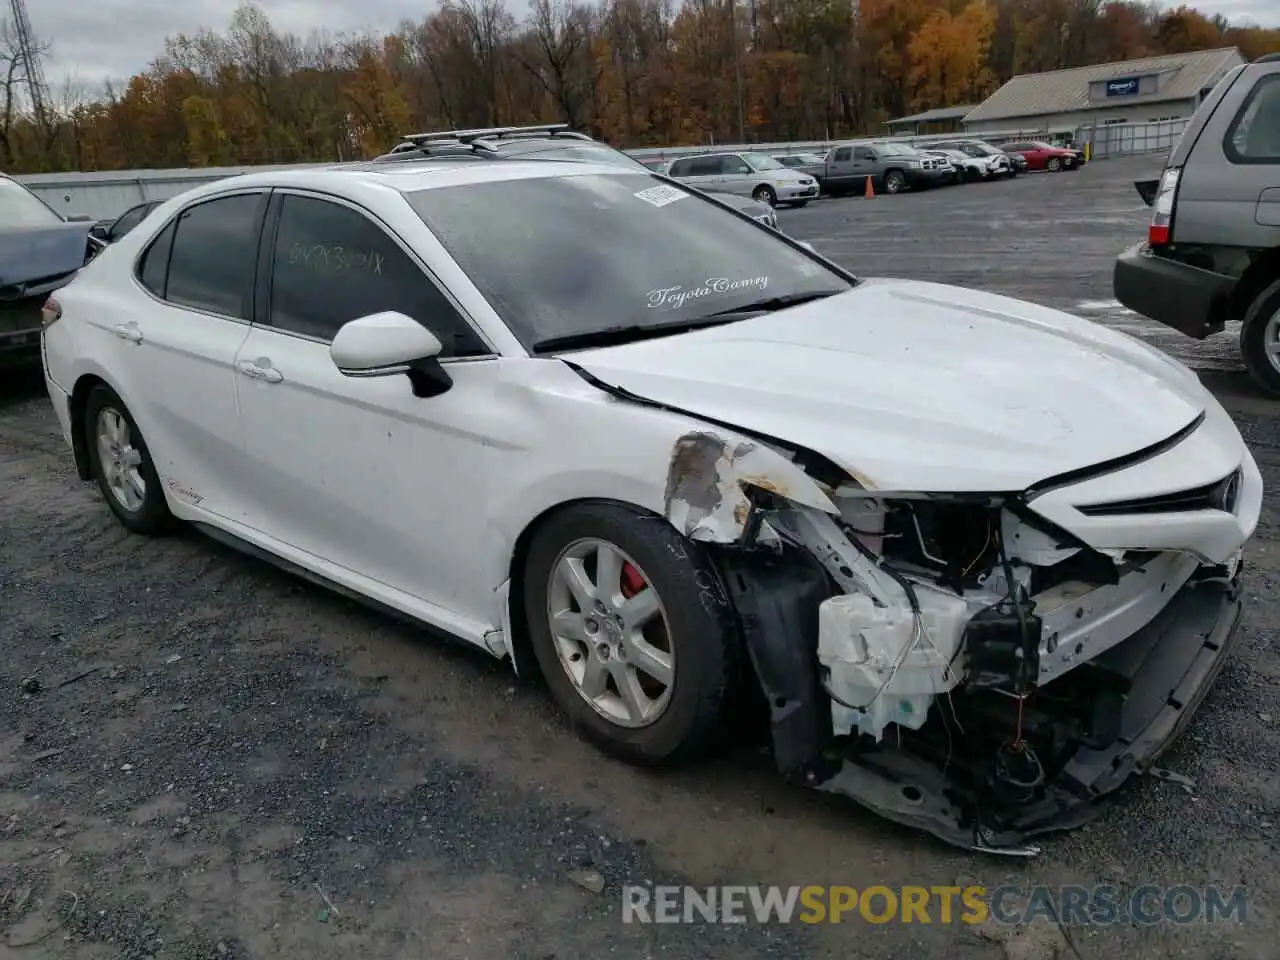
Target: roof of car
(408, 176)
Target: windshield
(897, 150)
(565, 256)
(762, 161)
(594, 152)
(19, 207)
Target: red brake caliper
(632, 581)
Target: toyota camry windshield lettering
(533, 247)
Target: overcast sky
(96, 40)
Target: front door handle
(260, 370)
(129, 331)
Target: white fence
(1127, 139)
(109, 193)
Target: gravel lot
(225, 762)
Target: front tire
(633, 631)
(121, 463)
(894, 181)
(1260, 339)
(765, 194)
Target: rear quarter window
(1254, 133)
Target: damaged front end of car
(957, 662)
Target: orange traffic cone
(870, 192)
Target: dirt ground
(221, 761)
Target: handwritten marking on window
(673, 298)
(325, 259)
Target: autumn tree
(948, 57)
(1184, 29)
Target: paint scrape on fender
(703, 499)
(708, 478)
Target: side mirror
(389, 344)
(99, 232)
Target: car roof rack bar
(490, 133)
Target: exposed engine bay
(978, 673)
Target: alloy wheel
(611, 633)
(1271, 341)
(121, 460)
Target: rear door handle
(128, 331)
(260, 370)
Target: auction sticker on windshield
(673, 298)
(661, 196)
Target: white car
(981, 557)
(972, 168)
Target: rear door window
(153, 268)
(215, 251)
(1254, 134)
(707, 166)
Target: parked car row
(793, 179)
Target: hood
(31, 254)
(914, 386)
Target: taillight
(1160, 233)
(50, 313)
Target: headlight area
(959, 665)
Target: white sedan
(978, 559)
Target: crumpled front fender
(711, 475)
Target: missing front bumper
(1170, 663)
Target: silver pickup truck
(891, 167)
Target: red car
(1043, 156)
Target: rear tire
(698, 632)
(1054, 165)
(121, 463)
(1260, 339)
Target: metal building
(1152, 89)
(938, 120)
